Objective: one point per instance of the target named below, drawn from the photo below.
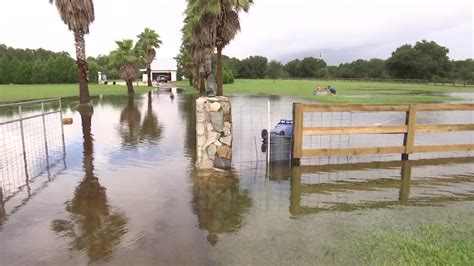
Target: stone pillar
(213, 132)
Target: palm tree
(212, 24)
(228, 25)
(185, 63)
(126, 59)
(199, 33)
(148, 40)
(78, 15)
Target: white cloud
(273, 28)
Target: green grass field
(12, 93)
(347, 92)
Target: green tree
(234, 65)
(3, 69)
(402, 63)
(78, 15)
(461, 69)
(185, 64)
(126, 60)
(421, 61)
(275, 70)
(293, 68)
(254, 67)
(148, 40)
(23, 74)
(433, 59)
(376, 68)
(199, 37)
(93, 70)
(227, 27)
(309, 66)
(40, 72)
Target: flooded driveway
(126, 193)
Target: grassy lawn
(11, 93)
(431, 244)
(347, 92)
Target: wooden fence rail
(409, 129)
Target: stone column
(213, 132)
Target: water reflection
(2, 210)
(130, 118)
(93, 225)
(151, 129)
(187, 107)
(219, 203)
(350, 187)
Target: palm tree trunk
(191, 81)
(202, 80)
(202, 84)
(130, 87)
(220, 89)
(88, 141)
(148, 73)
(197, 79)
(82, 70)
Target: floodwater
(123, 190)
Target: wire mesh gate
(31, 143)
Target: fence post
(405, 186)
(295, 195)
(269, 122)
(62, 128)
(45, 135)
(23, 145)
(409, 137)
(297, 133)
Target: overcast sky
(343, 30)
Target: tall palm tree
(213, 24)
(228, 25)
(185, 63)
(200, 33)
(148, 40)
(78, 15)
(127, 60)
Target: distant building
(161, 67)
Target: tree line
(40, 66)
(28, 66)
(425, 60)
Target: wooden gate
(409, 129)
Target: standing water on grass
(125, 191)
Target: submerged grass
(432, 244)
(347, 92)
